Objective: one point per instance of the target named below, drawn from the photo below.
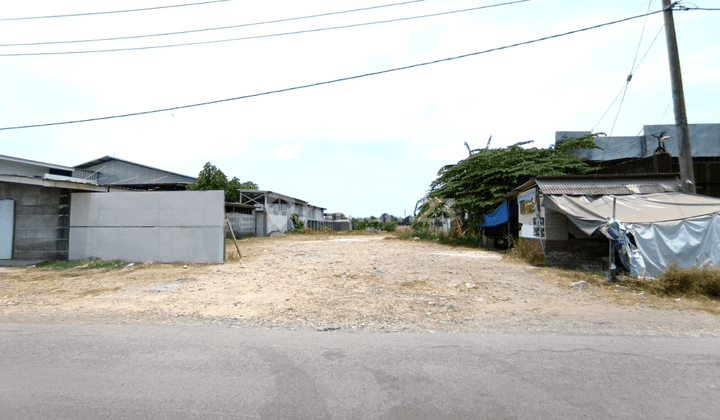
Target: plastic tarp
(497, 217)
(668, 228)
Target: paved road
(212, 372)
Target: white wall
(167, 226)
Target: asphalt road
(213, 372)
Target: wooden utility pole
(687, 175)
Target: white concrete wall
(167, 226)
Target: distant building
(272, 213)
(648, 153)
(122, 173)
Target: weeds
(521, 251)
(422, 231)
(688, 281)
(86, 264)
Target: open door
(7, 227)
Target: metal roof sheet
(608, 186)
(106, 159)
(35, 163)
(704, 142)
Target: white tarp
(667, 228)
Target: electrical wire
(608, 109)
(642, 32)
(217, 28)
(116, 11)
(627, 81)
(261, 36)
(344, 79)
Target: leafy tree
(212, 178)
(476, 183)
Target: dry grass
(633, 291)
(520, 251)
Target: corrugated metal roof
(113, 171)
(124, 171)
(571, 186)
(704, 142)
(35, 163)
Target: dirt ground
(325, 282)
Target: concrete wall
(242, 224)
(260, 227)
(178, 226)
(41, 221)
(276, 223)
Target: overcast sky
(365, 146)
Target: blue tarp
(497, 217)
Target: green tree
(212, 178)
(476, 183)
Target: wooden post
(233, 236)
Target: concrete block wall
(242, 224)
(41, 221)
(573, 254)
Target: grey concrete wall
(242, 224)
(260, 227)
(41, 221)
(177, 226)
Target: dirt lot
(326, 282)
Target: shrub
(299, 224)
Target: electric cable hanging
(344, 79)
(633, 70)
(627, 83)
(117, 11)
(235, 39)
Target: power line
(263, 36)
(608, 109)
(217, 28)
(116, 11)
(344, 79)
(627, 81)
(642, 32)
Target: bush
(298, 224)
(361, 224)
(689, 281)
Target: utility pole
(687, 175)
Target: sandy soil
(357, 282)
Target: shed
(273, 211)
(562, 217)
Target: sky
(364, 146)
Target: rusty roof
(608, 186)
(601, 184)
